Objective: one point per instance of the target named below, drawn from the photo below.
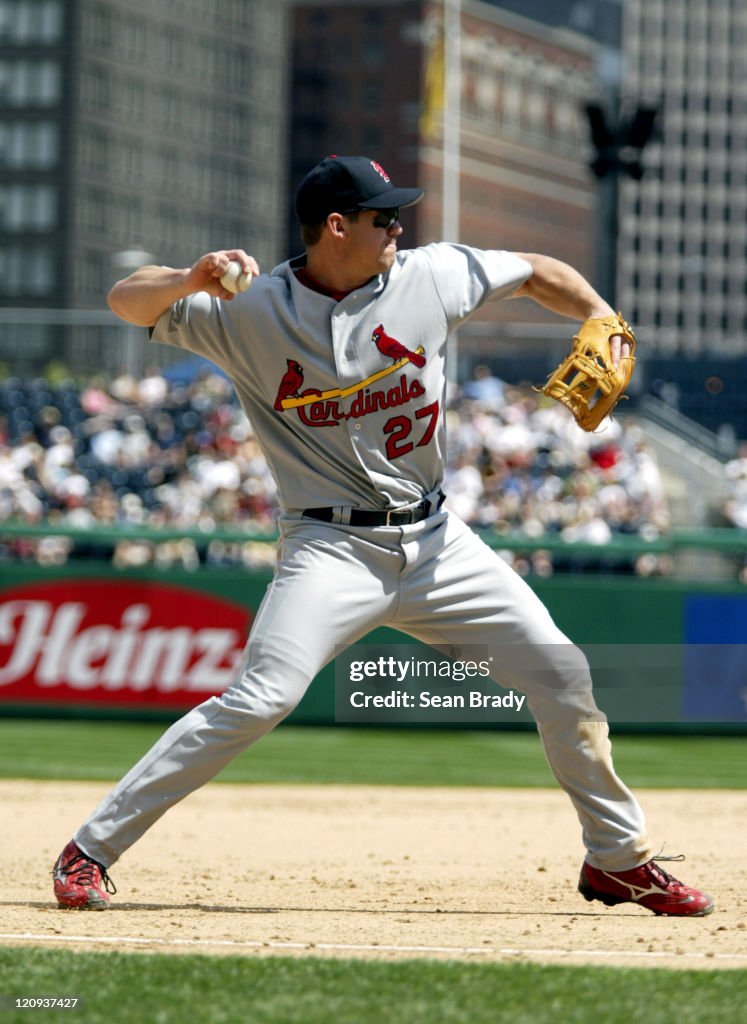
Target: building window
(371, 96)
(371, 139)
(27, 83)
(93, 212)
(26, 270)
(30, 21)
(373, 53)
(29, 145)
(134, 39)
(98, 27)
(96, 88)
(28, 207)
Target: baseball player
(338, 357)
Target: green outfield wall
(84, 638)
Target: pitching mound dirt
(373, 872)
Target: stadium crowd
(169, 453)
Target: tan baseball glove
(587, 381)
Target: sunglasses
(384, 218)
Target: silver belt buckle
(388, 513)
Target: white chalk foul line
(345, 947)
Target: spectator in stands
(735, 505)
(485, 388)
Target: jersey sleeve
(197, 323)
(465, 278)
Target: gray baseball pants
(434, 580)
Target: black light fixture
(618, 140)
(618, 147)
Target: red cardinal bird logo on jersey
(290, 384)
(394, 349)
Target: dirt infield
(373, 872)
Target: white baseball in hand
(235, 280)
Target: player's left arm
(561, 288)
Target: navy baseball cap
(342, 183)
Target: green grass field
(102, 751)
(122, 988)
(118, 988)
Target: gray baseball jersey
(346, 398)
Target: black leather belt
(376, 517)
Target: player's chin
(389, 255)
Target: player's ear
(336, 224)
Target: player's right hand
(205, 274)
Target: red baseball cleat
(647, 885)
(79, 882)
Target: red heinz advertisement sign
(115, 643)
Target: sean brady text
(426, 699)
(473, 699)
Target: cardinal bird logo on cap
(389, 346)
(290, 384)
